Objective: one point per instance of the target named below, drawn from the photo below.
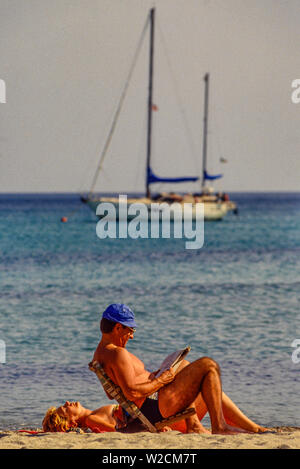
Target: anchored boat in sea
(207, 194)
(216, 206)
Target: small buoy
(64, 219)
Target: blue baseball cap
(120, 313)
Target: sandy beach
(283, 438)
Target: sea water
(236, 300)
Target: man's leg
(232, 414)
(203, 376)
(193, 423)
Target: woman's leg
(203, 375)
(232, 414)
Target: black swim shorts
(151, 410)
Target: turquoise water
(236, 300)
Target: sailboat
(207, 194)
(214, 207)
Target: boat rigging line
(117, 113)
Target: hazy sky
(65, 62)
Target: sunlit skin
(79, 416)
(195, 384)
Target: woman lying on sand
(108, 418)
(74, 415)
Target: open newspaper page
(173, 360)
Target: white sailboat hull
(215, 207)
(213, 211)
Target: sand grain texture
(286, 438)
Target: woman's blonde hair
(53, 422)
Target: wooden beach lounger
(115, 391)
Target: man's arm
(126, 378)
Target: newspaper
(173, 360)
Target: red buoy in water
(64, 219)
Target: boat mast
(150, 89)
(204, 157)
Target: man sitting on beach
(195, 384)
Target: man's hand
(153, 374)
(166, 376)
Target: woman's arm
(101, 419)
